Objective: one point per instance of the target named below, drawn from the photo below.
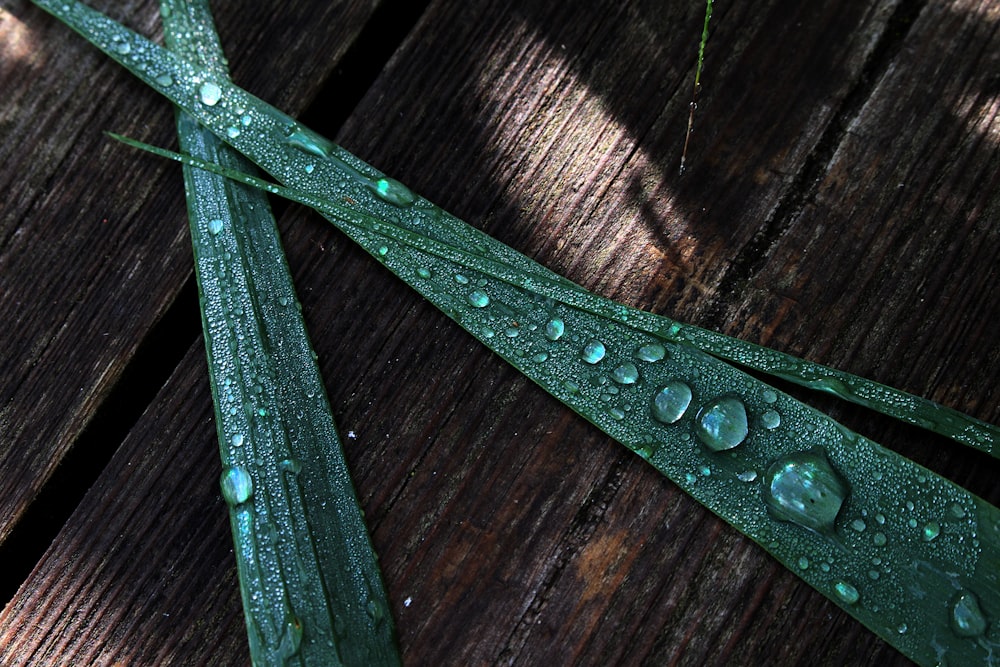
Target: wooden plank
(510, 531)
(89, 259)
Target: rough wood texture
(840, 204)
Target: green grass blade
(913, 556)
(312, 593)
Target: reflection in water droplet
(803, 488)
(627, 373)
(237, 486)
(209, 94)
(651, 352)
(554, 329)
(394, 192)
(722, 424)
(671, 402)
(845, 592)
(967, 617)
(479, 299)
(593, 351)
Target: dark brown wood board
(840, 203)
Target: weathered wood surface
(840, 203)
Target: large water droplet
(554, 329)
(671, 402)
(651, 352)
(722, 424)
(309, 142)
(237, 486)
(770, 420)
(931, 531)
(845, 592)
(479, 299)
(627, 373)
(214, 226)
(803, 488)
(593, 351)
(209, 94)
(164, 80)
(394, 192)
(967, 617)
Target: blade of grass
(309, 577)
(913, 556)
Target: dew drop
(540, 357)
(627, 373)
(478, 299)
(671, 402)
(209, 94)
(423, 273)
(237, 486)
(769, 396)
(554, 329)
(722, 424)
(845, 592)
(957, 511)
(291, 466)
(237, 440)
(879, 539)
(651, 352)
(383, 251)
(310, 168)
(858, 525)
(593, 351)
(803, 488)
(967, 617)
(123, 48)
(392, 191)
(232, 132)
(461, 279)
(214, 226)
(164, 80)
(931, 531)
(803, 563)
(311, 143)
(747, 476)
(770, 420)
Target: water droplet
(845, 592)
(540, 357)
(879, 539)
(461, 279)
(769, 396)
(554, 329)
(164, 80)
(383, 251)
(245, 120)
(291, 466)
(902, 629)
(310, 168)
(747, 476)
(123, 48)
(957, 511)
(803, 488)
(237, 486)
(237, 440)
(214, 226)
(627, 373)
(770, 420)
(423, 273)
(722, 424)
(803, 563)
(651, 352)
(671, 402)
(209, 94)
(309, 142)
(593, 351)
(232, 132)
(291, 639)
(394, 192)
(858, 525)
(880, 518)
(931, 531)
(479, 299)
(967, 617)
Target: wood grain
(839, 204)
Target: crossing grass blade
(913, 556)
(311, 589)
